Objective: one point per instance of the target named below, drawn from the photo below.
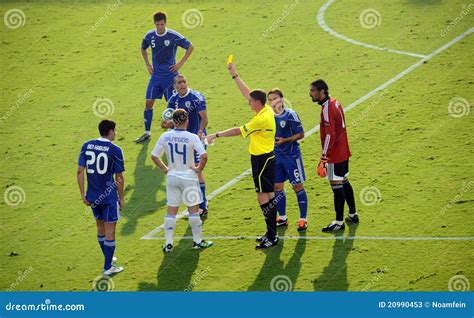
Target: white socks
(170, 223)
(196, 226)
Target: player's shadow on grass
(274, 266)
(148, 181)
(176, 269)
(334, 275)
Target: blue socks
(101, 240)
(203, 204)
(148, 116)
(302, 203)
(109, 249)
(280, 198)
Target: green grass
(403, 141)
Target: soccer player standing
(288, 159)
(164, 43)
(261, 130)
(335, 154)
(182, 183)
(101, 160)
(194, 103)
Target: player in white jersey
(182, 182)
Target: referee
(261, 131)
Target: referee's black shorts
(263, 171)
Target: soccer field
(403, 69)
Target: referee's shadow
(274, 266)
(334, 275)
(176, 269)
(148, 181)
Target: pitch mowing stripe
(316, 128)
(331, 237)
(326, 28)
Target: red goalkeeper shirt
(333, 133)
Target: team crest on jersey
(282, 124)
(187, 103)
(167, 42)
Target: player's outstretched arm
(238, 81)
(80, 182)
(120, 182)
(177, 66)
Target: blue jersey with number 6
(101, 160)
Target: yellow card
(230, 59)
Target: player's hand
(121, 203)
(280, 140)
(321, 169)
(176, 67)
(196, 169)
(150, 69)
(85, 201)
(231, 69)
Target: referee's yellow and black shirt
(261, 129)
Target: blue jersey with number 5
(101, 160)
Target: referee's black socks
(269, 210)
(339, 200)
(349, 194)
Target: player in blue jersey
(164, 43)
(102, 160)
(289, 163)
(194, 103)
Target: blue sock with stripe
(203, 204)
(101, 240)
(280, 199)
(148, 116)
(302, 203)
(109, 249)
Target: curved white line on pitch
(326, 28)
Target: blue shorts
(159, 86)
(109, 212)
(289, 168)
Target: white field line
(330, 237)
(326, 28)
(316, 128)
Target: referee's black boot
(267, 243)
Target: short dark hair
(320, 84)
(105, 127)
(277, 91)
(259, 95)
(159, 16)
(179, 116)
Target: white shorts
(337, 171)
(180, 191)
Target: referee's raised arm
(238, 81)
